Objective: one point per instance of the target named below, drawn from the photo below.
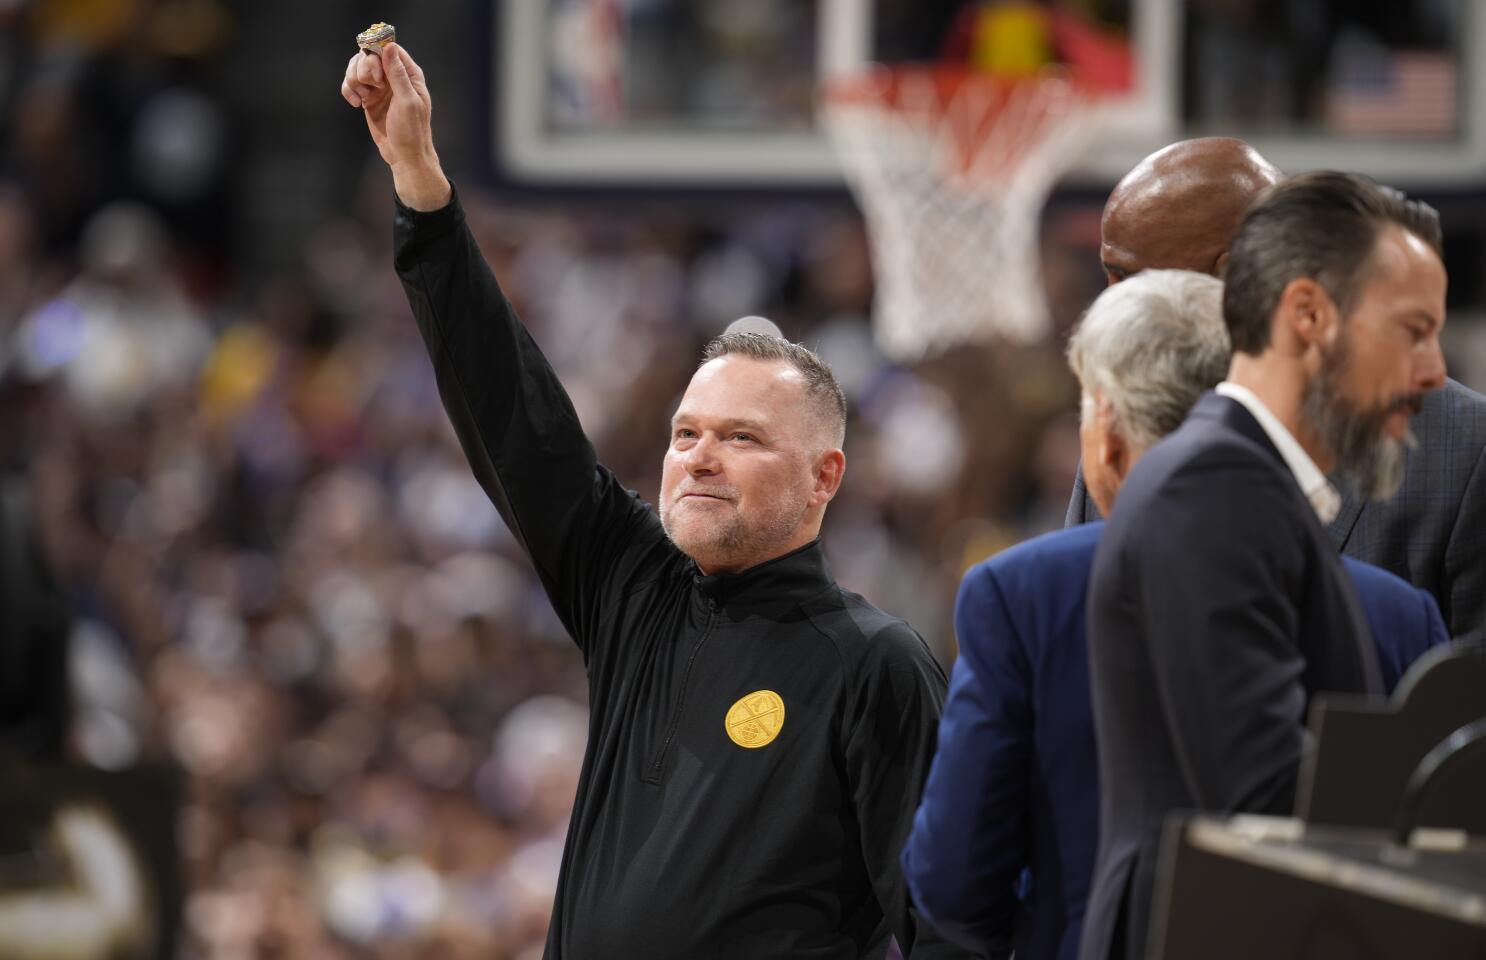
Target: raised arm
(392, 93)
(525, 445)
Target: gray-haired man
(1013, 785)
(1217, 605)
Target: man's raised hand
(391, 91)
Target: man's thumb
(397, 71)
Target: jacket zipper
(658, 767)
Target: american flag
(1410, 93)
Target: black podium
(1248, 887)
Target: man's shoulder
(865, 636)
(1452, 423)
(852, 618)
(1038, 560)
(1212, 431)
(1405, 619)
(1208, 481)
(1441, 473)
(1203, 461)
(1027, 594)
(1372, 578)
(1458, 399)
(1381, 589)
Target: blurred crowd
(282, 575)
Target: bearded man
(1178, 209)
(759, 736)
(1217, 605)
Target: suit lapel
(1238, 417)
(1235, 415)
(1339, 530)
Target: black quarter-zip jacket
(757, 742)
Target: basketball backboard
(718, 93)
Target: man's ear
(1220, 266)
(1307, 312)
(830, 469)
(1100, 416)
(1111, 444)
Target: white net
(952, 171)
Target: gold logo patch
(756, 719)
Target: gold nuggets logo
(756, 719)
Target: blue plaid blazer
(1433, 531)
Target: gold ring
(375, 37)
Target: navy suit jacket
(1002, 848)
(1217, 609)
(1433, 531)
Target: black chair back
(1364, 752)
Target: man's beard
(1369, 459)
(734, 539)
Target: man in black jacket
(759, 736)
(1217, 606)
(1177, 210)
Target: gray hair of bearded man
(1152, 345)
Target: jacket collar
(1323, 497)
(1340, 529)
(1233, 415)
(771, 586)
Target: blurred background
(247, 513)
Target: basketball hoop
(952, 167)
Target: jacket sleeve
(1221, 622)
(970, 835)
(581, 528)
(1465, 561)
(889, 733)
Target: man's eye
(743, 436)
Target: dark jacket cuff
(412, 225)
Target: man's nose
(1431, 370)
(701, 459)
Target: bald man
(1179, 208)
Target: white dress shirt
(1313, 483)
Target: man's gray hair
(820, 384)
(1151, 345)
